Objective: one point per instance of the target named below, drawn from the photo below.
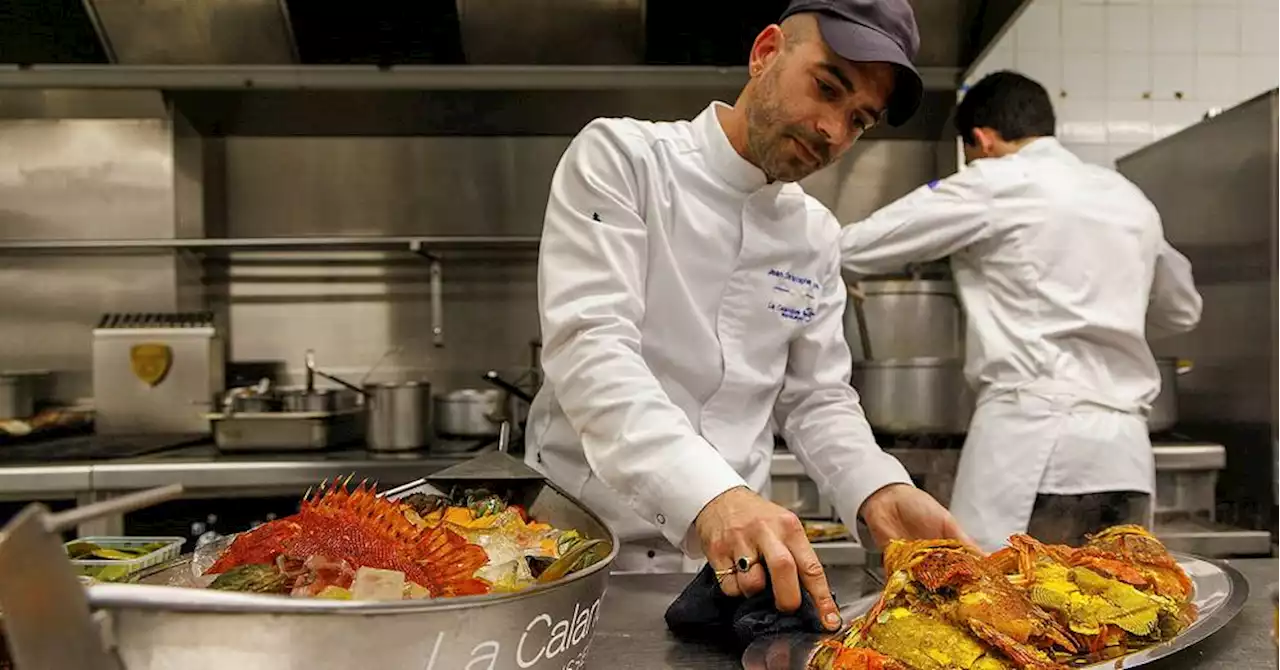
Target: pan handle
(437, 303)
(343, 382)
(494, 378)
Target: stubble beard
(766, 134)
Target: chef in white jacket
(1063, 272)
(691, 307)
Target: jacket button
(652, 553)
(662, 519)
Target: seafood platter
(484, 565)
(1118, 601)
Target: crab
(1142, 555)
(1101, 596)
(942, 586)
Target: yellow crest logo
(150, 362)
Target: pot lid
(470, 395)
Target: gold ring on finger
(744, 563)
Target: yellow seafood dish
(1028, 606)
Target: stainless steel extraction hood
(194, 32)
(440, 32)
(425, 67)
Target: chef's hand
(902, 512)
(740, 524)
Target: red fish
(364, 530)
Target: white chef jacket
(1063, 271)
(688, 308)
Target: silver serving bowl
(159, 627)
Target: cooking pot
(252, 403)
(516, 401)
(18, 391)
(1164, 409)
(399, 416)
(468, 413)
(912, 396)
(905, 318)
(318, 400)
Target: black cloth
(703, 613)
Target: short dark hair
(1010, 103)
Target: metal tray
(1220, 592)
(281, 431)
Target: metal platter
(1220, 592)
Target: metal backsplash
(1215, 186)
(67, 179)
(351, 309)
(81, 179)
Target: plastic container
(107, 570)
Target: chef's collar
(1041, 146)
(722, 159)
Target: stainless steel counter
(632, 635)
(205, 471)
(53, 481)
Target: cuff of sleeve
(684, 490)
(875, 474)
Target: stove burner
(96, 447)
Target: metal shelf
(404, 101)
(413, 77)
(420, 245)
(425, 247)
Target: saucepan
(398, 414)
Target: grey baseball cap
(866, 31)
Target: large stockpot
(1164, 409)
(399, 416)
(913, 396)
(906, 318)
(550, 626)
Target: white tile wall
(1124, 73)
